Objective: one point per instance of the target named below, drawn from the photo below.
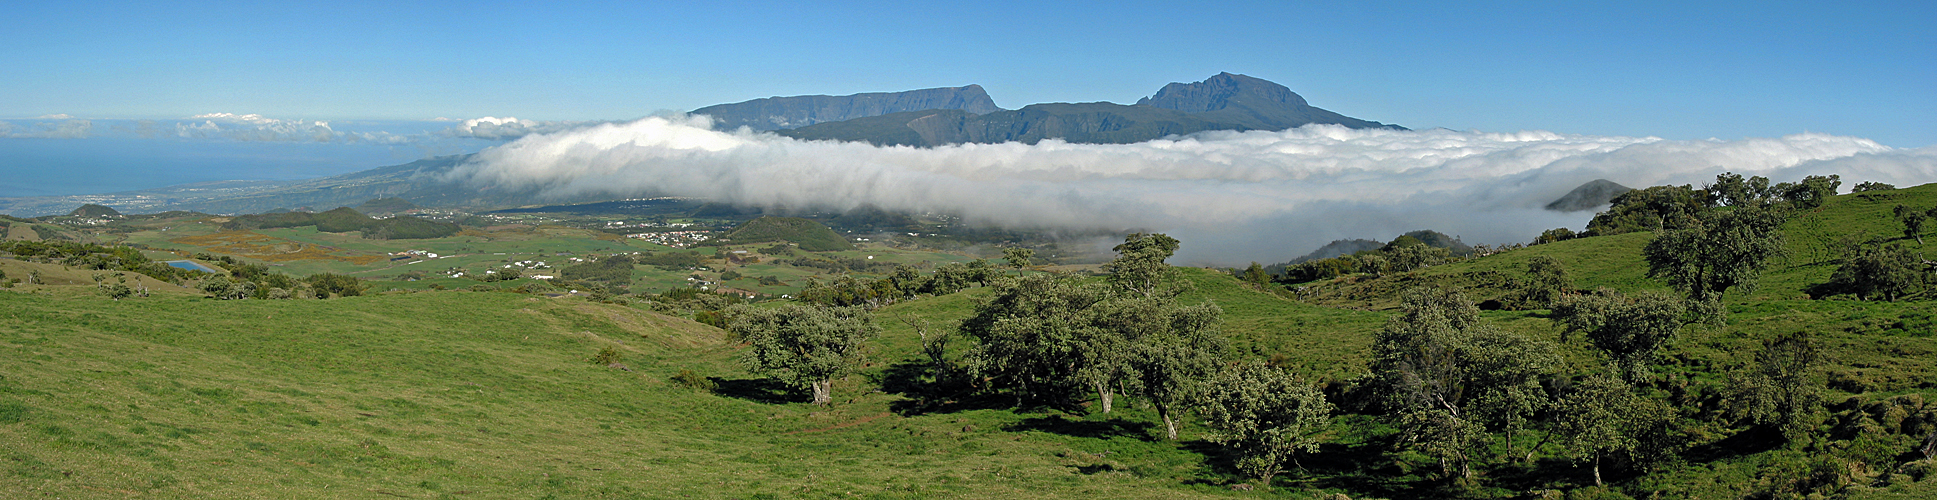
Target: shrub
(606, 356)
(693, 380)
(1867, 186)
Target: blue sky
(1678, 70)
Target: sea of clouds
(1231, 197)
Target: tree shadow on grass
(1056, 424)
(923, 394)
(1361, 464)
(759, 390)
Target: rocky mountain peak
(1218, 92)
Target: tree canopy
(803, 346)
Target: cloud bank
(258, 128)
(1232, 197)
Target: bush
(326, 284)
(1868, 186)
(1554, 235)
(1886, 271)
(693, 380)
(606, 356)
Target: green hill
(492, 394)
(345, 219)
(92, 210)
(809, 235)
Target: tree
(1554, 235)
(1867, 186)
(1448, 377)
(1411, 258)
(1264, 417)
(949, 278)
(1139, 265)
(1049, 337)
(1714, 251)
(1913, 222)
(1648, 209)
(1811, 192)
(222, 288)
(1170, 350)
(1018, 257)
(1546, 281)
(116, 289)
(326, 284)
(1033, 335)
(1629, 329)
(1595, 418)
(1874, 269)
(803, 346)
(907, 281)
(1255, 275)
(1781, 391)
(1732, 190)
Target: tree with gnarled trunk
(1449, 378)
(1594, 417)
(803, 346)
(1913, 222)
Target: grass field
(460, 393)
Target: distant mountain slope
(382, 206)
(779, 113)
(419, 182)
(1251, 102)
(1594, 194)
(1222, 102)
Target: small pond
(192, 266)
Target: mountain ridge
(1225, 101)
(787, 112)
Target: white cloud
(62, 129)
(255, 128)
(1232, 197)
(58, 116)
(491, 127)
(252, 119)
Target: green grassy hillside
(809, 235)
(493, 394)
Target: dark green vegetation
(1222, 102)
(1480, 377)
(806, 234)
(344, 220)
(92, 210)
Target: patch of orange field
(269, 248)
